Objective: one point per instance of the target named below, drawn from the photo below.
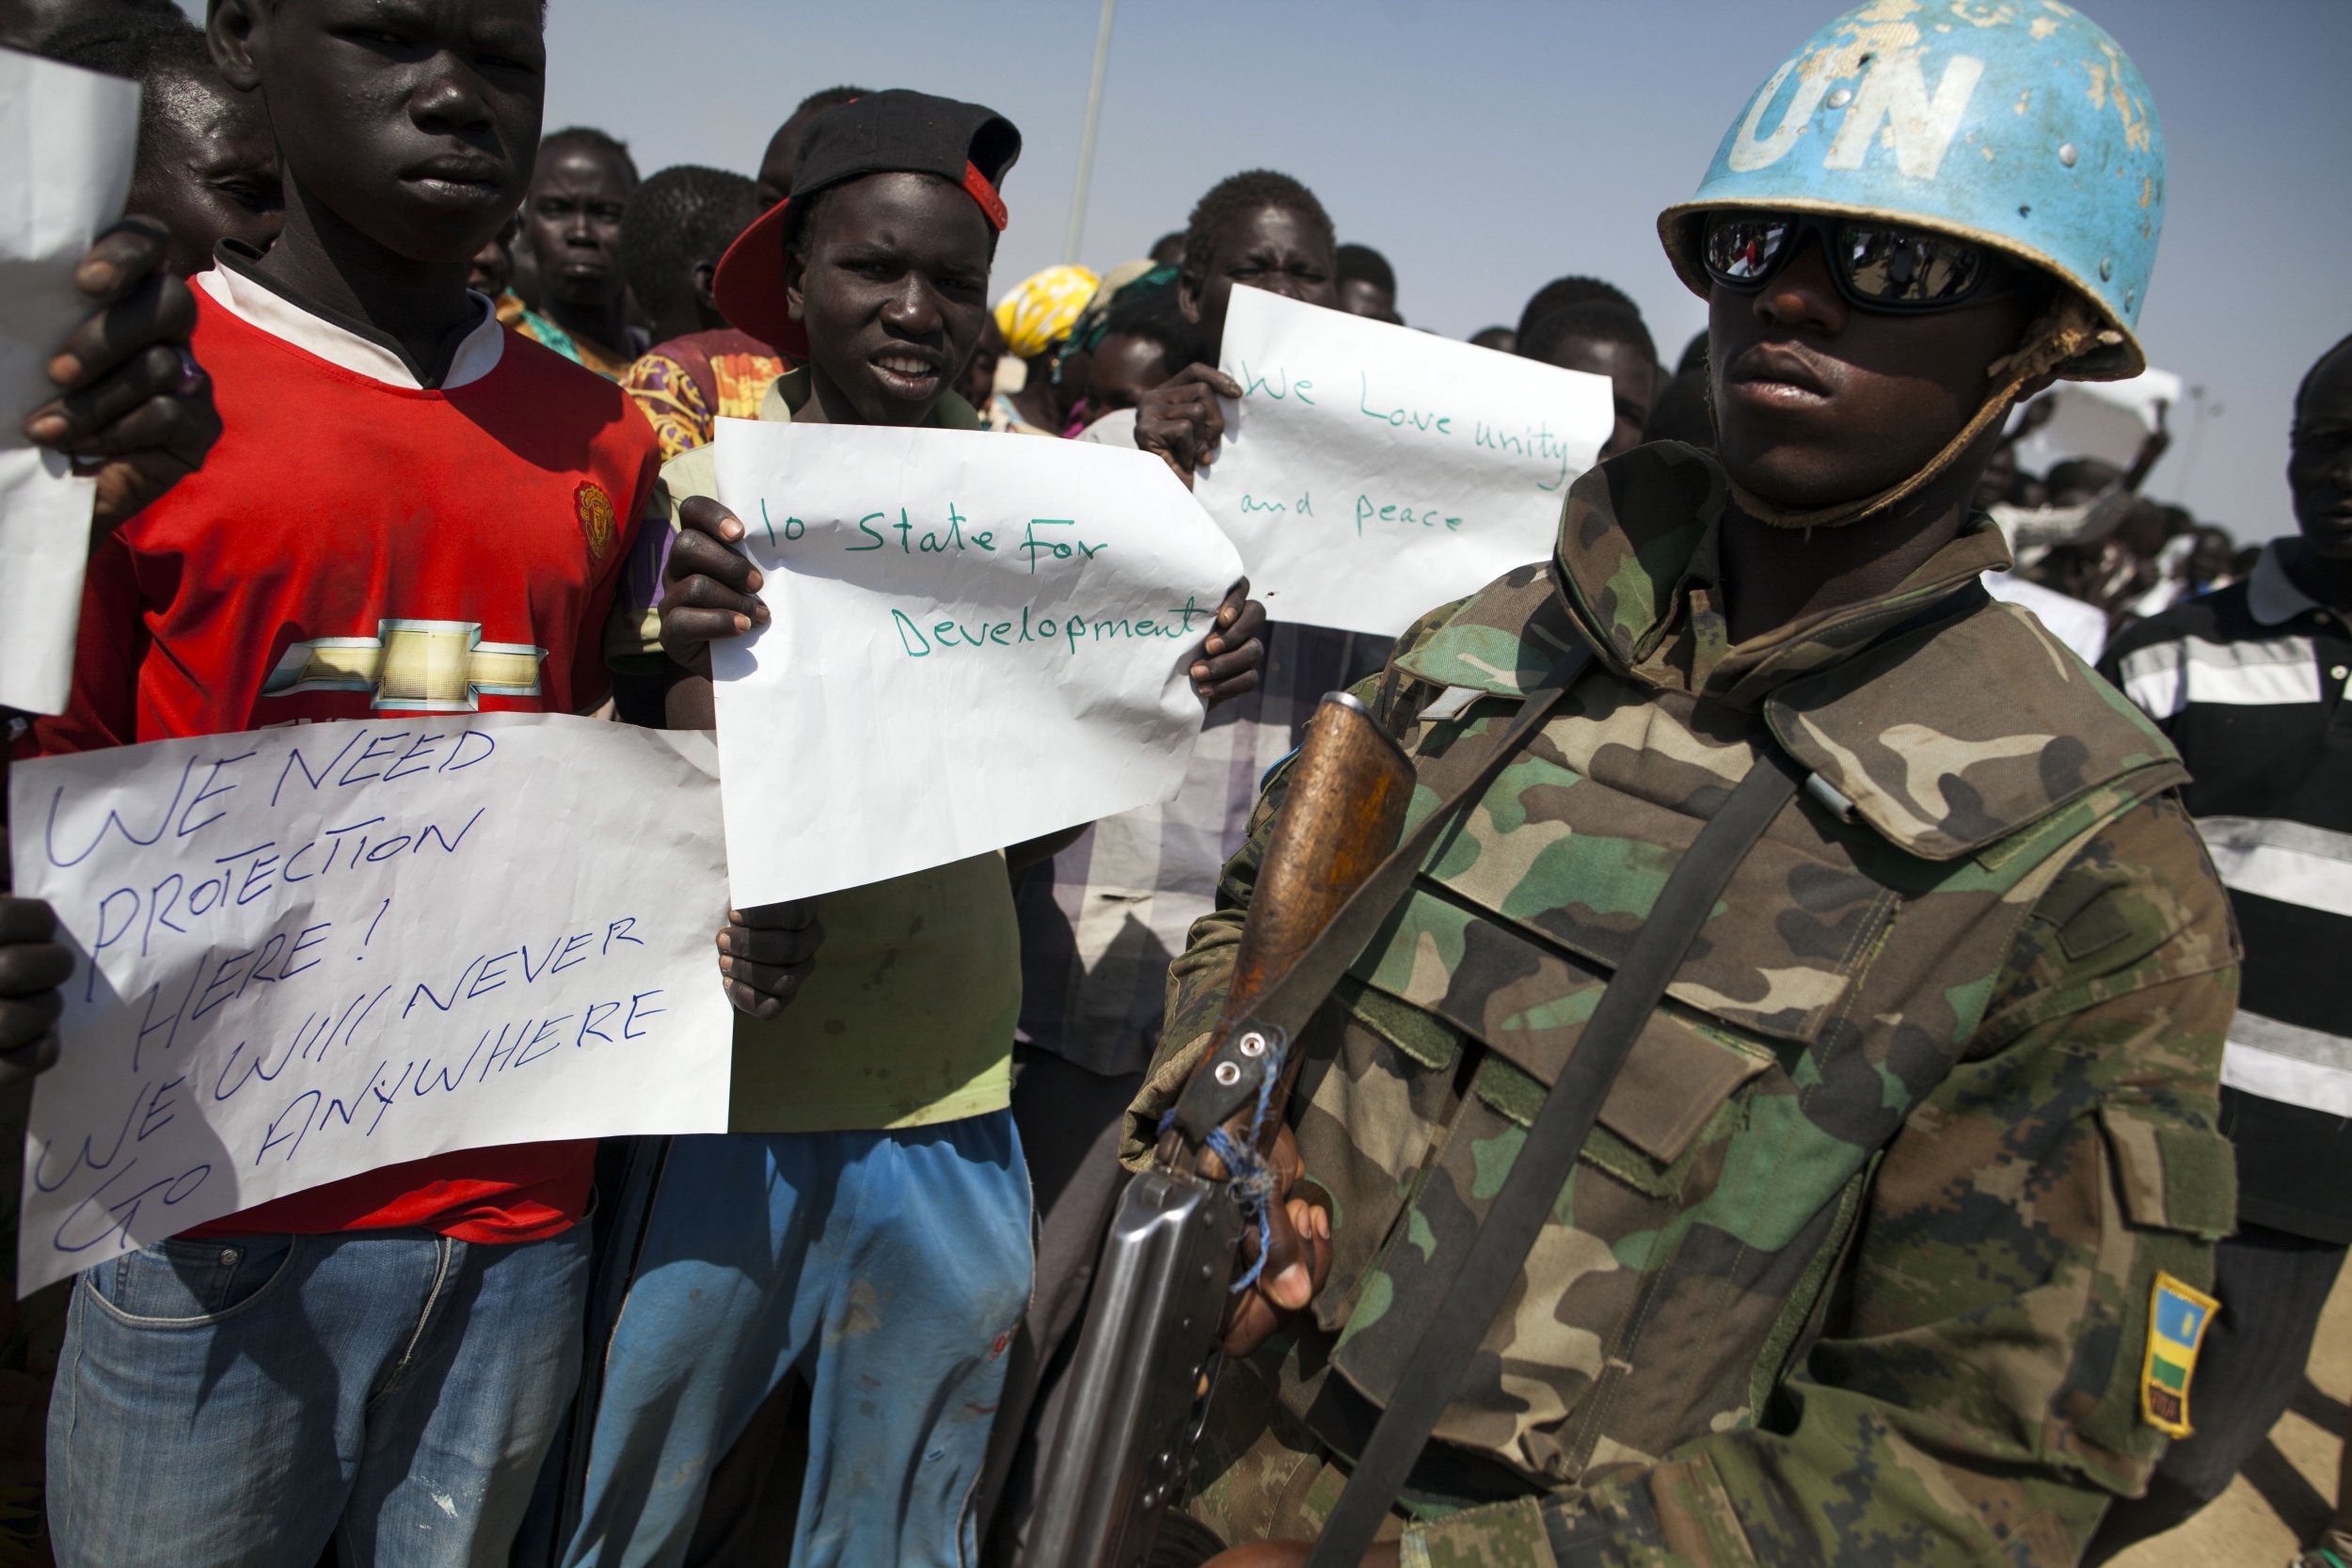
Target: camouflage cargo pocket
(1657, 1150)
(2172, 1190)
(1378, 1090)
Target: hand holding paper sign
(133, 411)
(33, 965)
(974, 641)
(2122, 422)
(766, 951)
(710, 588)
(1369, 473)
(1181, 419)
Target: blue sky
(1486, 146)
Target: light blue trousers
(238, 1401)
(891, 1268)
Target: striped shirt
(1101, 921)
(2251, 684)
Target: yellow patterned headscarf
(1038, 313)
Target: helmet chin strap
(2069, 327)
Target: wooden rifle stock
(1340, 814)
(1148, 1351)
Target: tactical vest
(1691, 1259)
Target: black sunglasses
(1877, 266)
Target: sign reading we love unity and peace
(1370, 472)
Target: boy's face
(893, 288)
(776, 164)
(1818, 403)
(413, 122)
(2319, 460)
(573, 222)
(1632, 384)
(1361, 297)
(2209, 557)
(207, 168)
(493, 266)
(1272, 249)
(1125, 367)
(979, 379)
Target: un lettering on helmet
(1893, 92)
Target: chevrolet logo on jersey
(411, 666)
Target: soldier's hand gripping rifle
(1147, 1358)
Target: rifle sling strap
(1461, 775)
(1547, 1157)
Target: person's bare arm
(2158, 441)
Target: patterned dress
(688, 383)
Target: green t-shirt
(908, 1017)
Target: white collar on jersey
(346, 344)
(2271, 596)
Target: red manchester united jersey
(359, 544)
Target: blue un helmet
(2019, 124)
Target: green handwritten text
(1071, 632)
(1401, 415)
(1395, 512)
(932, 541)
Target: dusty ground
(2285, 1494)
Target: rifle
(1148, 1357)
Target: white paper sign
(2107, 419)
(66, 137)
(307, 952)
(1371, 472)
(977, 638)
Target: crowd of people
(1898, 1233)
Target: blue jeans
(891, 1268)
(244, 1400)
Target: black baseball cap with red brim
(883, 132)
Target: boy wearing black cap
(868, 1221)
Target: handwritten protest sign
(1371, 472)
(975, 640)
(2107, 419)
(67, 138)
(304, 953)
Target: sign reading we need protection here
(308, 952)
(974, 640)
(1370, 473)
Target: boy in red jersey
(411, 510)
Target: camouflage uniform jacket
(1857, 1266)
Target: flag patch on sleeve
(2177, 1318)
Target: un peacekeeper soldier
(1892, 1240)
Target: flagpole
(1085, 140)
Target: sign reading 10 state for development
(974, 640)
(1371, 472)
(308, 952)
